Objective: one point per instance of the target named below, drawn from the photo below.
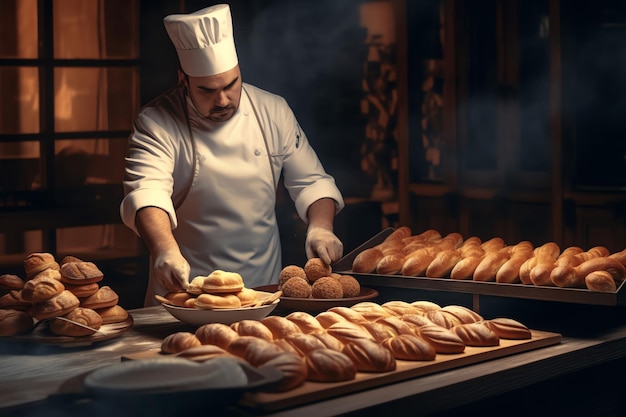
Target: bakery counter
(30, 372)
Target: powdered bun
(104, 297)
(80, 315)
(82, 290)
(37, 262)
(316, 268)
(220, 281)
(59, 305)
(41, 289)
(80, 273)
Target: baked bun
(103, 298)
(178, 342)
(305, 343)
(379, 331)
(239, 346)
(113, 314)
(82, 290)
(281, 327)
(464, 314)
(507, 328)
(11, 282)
(398, 326)
(81, 273)
(366, 261)
(195, 286)
(316, 268)
(328, 340)
(371, 311)
(37, 262)
(218, 334)
(70, 258)
(391, 263)
(219, 281)
(177, 298)
(369, 356)
(350, 286)
(347, 331)
(247, 296)
(415, 264)
(203, 353)
(13, 300)
(410, 348)
(601, 281)
(80, 315)
(289, 272)
(443, 318)
(476, 334)
(348, 313)
(13, 322)
(41, 289)
(443, 263)
(293, 369)
(399, 308)
(417, 320)
(59, 305)
(305, 321)
(256, 354)
(328, 318)
(327, 365)
(297, 287)
(217, 301)
(442, 340)
(252, 328)
(48, 273)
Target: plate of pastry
(316, 305)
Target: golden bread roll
(203, 353)
(178, 342)
(346, 331)
(611, 265)
(48, 273)
(13, 300)
(218, 334)
(426, 306)
(316, 268)
(464, 314)
(326, 288)
(541, 273)
(571, 250)
(103, 298)
(331, 342)
(82, 290)
(281, 327)
(285, 346)
(509, 272)
(443, 318)
(80, 273)
(247, 296)
(601, 281)
(195, 285)
(390, 263)
(59, 305)
(442, 340)
(328, 318)
(464, 268)
(399, 308)
(41, 289)
(217, 301)
(410, 348)
(305, 343)
(369, 356)
(178, 298)
(11, 282)
(37, 262)
(507, 328)
(415, 264)
(549, 249)
(289, 272)
(305, 321)
(413, 247)
(492, 245)
(350, 286)
(327, 365)
(379, 331)
(443, 263)
(191, 303)
(417, 320)
(569, 260)
(222, 282)
(240, 346)
(70, 258)
(429, 235)
(454, 239)
(252, 328)
(80, 315)
(113, 314)
(488, 267)
(599, 251)
(565, 276)
(476, 334)
(618, 256)
(397, 325)
(524, 270)
(371, 310)
(399, 234)
(297, 287)
(348, 313)
(293, 368)
(365, 262)
(258, 354)
(13, 322)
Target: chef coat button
(257, 152)
(245, 113)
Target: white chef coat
(227, 219)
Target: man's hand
(323, 243)
(171, 271)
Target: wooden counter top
(29, 373)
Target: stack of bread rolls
(316, 279)
(218, 290)
(336, 344)
(429, 254)
(70, 289)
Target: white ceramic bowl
(198, 317)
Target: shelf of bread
(452, 263)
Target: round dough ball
(316, 268)
(326, 287)
(288, 272)
(297, 287)
(350, 286)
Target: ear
(181, 75)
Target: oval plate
(317, 305)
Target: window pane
(93, 29)
(89, 99)
(89, 161)
(19, 168)
(18, 29)
(19, 106)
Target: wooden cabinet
(516, 142)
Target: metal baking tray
(566, 295)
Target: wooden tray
(315, 391)
(566, 295)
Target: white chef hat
(203, 40)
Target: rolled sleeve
(140, 198)
(325, 188)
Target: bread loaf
(305, 321)
(415, 264)
(366, 261)
(240, 345)
(218, 334)
(103, 298)
(80, 273)
(82, 290)
(13, 322)
(178, 342)
(257, 354)
(222, 282)
(348, 313)
(410, 348)
(379, 331)
(442, 339)
(443, 318)
(369, 356)
(59, 305)
(509, 272)
(399, 234)
(328, 340)
(565, 276)
(280, 326)
(371, 310)
(11, 282)
(464, 269)
(611, 265)
(489, 266)
(443, 263)
(347, 331)
(37, 262)
(13, 300)
(492, 245)
(254, 328)
(399, 308)
(113, 314)
(507, 328)
(207, 301)
(397, 325)
(476, 334)
(80, 315)
(327, 365)
(601, 281)
(541, 273)
(305, 342)
(390, 264)
(293, 369)
(41, 289)
(203, 353)
(464, 314)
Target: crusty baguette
(443, 263)
(601, 281)
(464, 269)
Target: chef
(203, 165)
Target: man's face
(216, 97)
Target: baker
(203, 166)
